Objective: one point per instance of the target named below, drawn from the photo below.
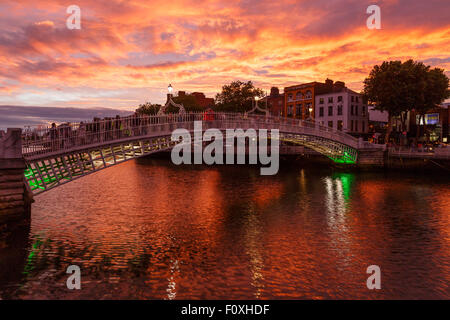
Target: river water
(152, 230)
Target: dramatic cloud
(128, 51)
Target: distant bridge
(55, 156)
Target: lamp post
(256, 100)
(169, 95)
(171, 102)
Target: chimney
(274, 91)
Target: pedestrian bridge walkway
(61, 154)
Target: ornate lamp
(169, 102)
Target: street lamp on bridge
(169, 102)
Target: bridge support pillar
(15, 195)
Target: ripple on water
(155, 231)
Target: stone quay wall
(15, 195)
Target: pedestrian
(53, 137)
(82, 134)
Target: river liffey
(152, 230)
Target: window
(289, 111)
(321, 112)
(298, 96)
(308, 94)
(339, 110)
(330, 110)
(351, 125)
(353, 99)
(340, 125)
(340, 99)
(330, 100)
(298, 110)
(351, 112)
(364, 111)
(321, 100)
(330, 124)
(363, 124)
(357, 99)
(356, 125)
(356, 110)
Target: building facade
(300, 99)
(275, 102)
(200, 99)
(342, 109)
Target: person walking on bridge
(53, 137)
(117, 127)
(81, 134)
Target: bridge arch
(54, 158)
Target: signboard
(430, 119)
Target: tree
(398, 87)
(237, 96)
(148, 109)
(435, 92)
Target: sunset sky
(127, 52)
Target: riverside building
(300, 99)
(342, 109)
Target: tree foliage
(237, 96)
(148, 109)
(398, 87)
(436, 90)
(188, 101)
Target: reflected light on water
(336, 205)
(151, 230)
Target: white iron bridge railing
(41, 142)
(60, 154)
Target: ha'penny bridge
(37, 160)
(59, 155)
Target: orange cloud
(135, 48)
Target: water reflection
(337, 197)
(150, 230)
(253, 242)
(172, 287)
